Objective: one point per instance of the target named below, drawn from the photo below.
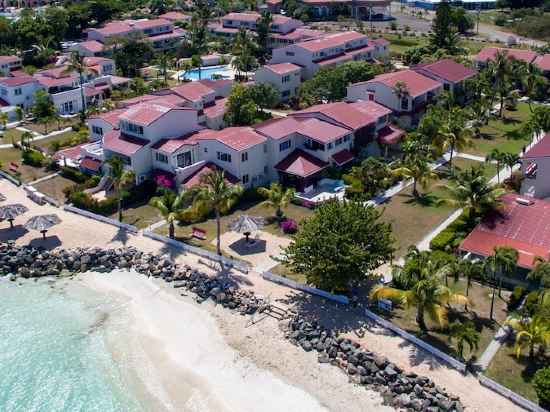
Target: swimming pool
(207, 72)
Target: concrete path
(48, 177)
(276, 112)
(471, 157)
(500, 337)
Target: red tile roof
(170, 145)
(217, 109)
(525, 228)
(192, 91)
(138, 99)
(283, 68)
(416, 83)
(150, 24)
(176, 33)
(390, 135)
(343, 113)
(112, 117)
(175, 16)
(121, 143)
(237, 138)
(72, 153)
(195, 178)
(16, 81)
(90, 164)
(92, 45)
(371, 109)
(114, 28)
(331, 40)
(320, 131)
(343, 157)
(344, 57)
(9, 59)
(447, 69)
(300, 163)
(543, 62)
(299, 34)
(149, 112)
(489, 53)
(279, 128)
(380, 41)
(540, 149)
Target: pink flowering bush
(289, 226)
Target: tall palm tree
(501, 71)
(470, 269)
(277, 197)
(418, 169)
(19, 114)
(3, 121)
(541, 272)
(506, 260)
(400, 90)
(428, 295)
(532, 80)
(498, 157)
(122, 180)
(455, 135)
(77, 64)
(169, 204)
(220, 195)
(531, 332)
(464, 334)
(510, 160)
(470, 189)
(26, 139)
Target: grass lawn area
(494, 134)
(478, 313)
(54, 187)
(27, 173)
(400, 44)
(283, 271)
(183, 232)
(10, 136)
(141, 216)
(515, 373)
(63, 138)
(38, 127)
(460, 163)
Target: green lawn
(10, 136)
(494, 134)
(25, 173)
(54, 187)
(515, 373)
(400, 44)
(40, 128)
(141, 216)
(64, 138)
(478, 313)
(282, 270)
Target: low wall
(241, 266)
(304, 288)
(449, 360)
(507, 393)
(10, 178)
(100, 218)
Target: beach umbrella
(246, 224)
(2, 198)
(10, 212)
(42, 223)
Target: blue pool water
(206, 73)
(53, 354)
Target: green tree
(541, 272)
(43, 108)
(330, 247)
(497, 156)
(58, 22)
(366, 179)
(502, 262)
(132, 55)
(419, 170)
(264, 95)
(455, 135)
(3, 121)
(122, 180)
(541, 383)
(530, 333)
(26, 139)
(510, 160)
(241, 110)
(501, 71)
(19, 114)
(263, 36)
(277, 197)
(464, 334)
(76, 64)
(169, 205)
(444, 34)
(244, 50)
(220, 196)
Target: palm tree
(277, 197)
(419, 170)
(496, 156)
(464, 334)
(541, 272)
(455, 135)
(530, 332)
(501, 70)
(26, 139)
(428, 295)
(3, 121)
(470, 189)
(164, 61)
(169, 204)
(19, 114)
(506, 260)
(196, 61)
(122, 179)
(470, 269)
(510, 160)
(220, 195)
(532, 81)
(76, 64)
(400, 90)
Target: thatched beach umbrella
(42, 223)
(10, 212)
(2, 198)
(246, 225)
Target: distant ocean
(54, 354)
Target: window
(346, 138)
(97, 130)
(285, 79)
(265, 170)
(244, 156)
(17, 91)
(285, 93)
(245, 179)
(161, 157)
(3, 91)
(224, 157)
(446, 86)
(284, 146)
(288, 53)
(339, 142)
(206, 150)
(265, 148)
(184, 159)
(133, 128)
(404, 103)
(329, 146)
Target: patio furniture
(10, 212)
(198, 233)
(42, 223)
(246, 225)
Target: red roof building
(489, 54)
(282, 68)
(523, 224)
(543, 62)
(540, 149)
(446, 69)
(117, 142)
(416, 83)
(195, 178)
(301, 164)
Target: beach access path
(262, 342)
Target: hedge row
(451, 237)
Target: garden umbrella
(246, 224)
(42, 223)
(10, 212)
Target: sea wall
(404, 391)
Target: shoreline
(222, 376)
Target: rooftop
(300, 163)
(112, 117)
(320, 131)
(149, 112)
(16, 81)
(523, 227)
(92, 45)
(237, 138)
(195, 178)
(9, 59)
(118, 142)
(489, 53)
(540, 149)
(416, 83)
(170, 145)
(192, 91)
(350, 115)
(447, 69)
(543, 62)
(175, 16)
(282, 68)
(331, 40)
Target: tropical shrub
(289, 226)
(515, 297)
(73, 174)
(541, 383)
(32, 158)
(450, 238)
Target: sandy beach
(164, 320)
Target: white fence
(449, 360)
(100, 218)
(304, 288)
(10, 178)
(507, 393)
(241, 266)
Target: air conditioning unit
(523, 201)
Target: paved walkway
(48, 177)
(491, 350)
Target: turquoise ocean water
(54, 355)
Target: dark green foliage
(367, 179)
(541, 382)
(329, 83)
(73, 174)
(246, 103)
(33, 158)
(340, 245)
(515, 298)
(449, 239)
(132, 56)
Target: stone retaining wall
(507, 393)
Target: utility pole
(478, 14)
